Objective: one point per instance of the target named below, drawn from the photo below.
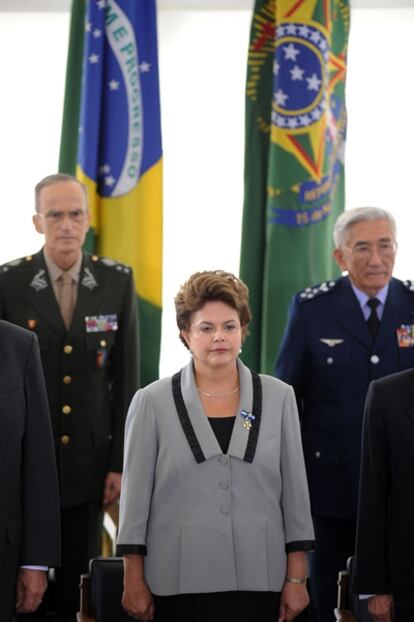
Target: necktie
(66, 301)
(373, 320)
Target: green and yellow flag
(294, 158)
(111, 140)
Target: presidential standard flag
(111, 127)
(294, 159)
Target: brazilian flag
(111, 140)
(294, 159)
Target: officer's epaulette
(16, 263)
(111, 263)
(316, 290)
(409, 285)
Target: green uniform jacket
(91, 370)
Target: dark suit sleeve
(126, 372)
(371, 573)
(40, 500)
(292, 359)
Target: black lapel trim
(185, 419)
(257, 412)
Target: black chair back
(107, 574)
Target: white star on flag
(101, 4)
(304, 119)
(97, 33)
(93, 59)
(88, 26)
(104, 169)
(313, 83)
(109, 181)
(144, 67)
(113, 85)
(297, 73)
(281, 97)
(290, 52)
(276, 67)
(291, 29)
(315, 36)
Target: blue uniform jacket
(328, 356)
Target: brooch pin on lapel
(248, 419)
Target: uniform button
(94, 257)
(224, 485)
(64, 439)
(66, 409)
(223, 460)
(329, 360)
(224, 509)
(102, 343)
(29, 258)
(67, 379)
(317, 454)
(68, 349)
(375, 359)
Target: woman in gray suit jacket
(215, 520)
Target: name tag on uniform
(101, 323)
(405, 336)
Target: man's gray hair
(359, 214)
(54, 179)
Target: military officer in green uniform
(83, 310)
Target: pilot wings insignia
(331, 342)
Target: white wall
(202, 69)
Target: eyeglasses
(54, 216)
(385, 248)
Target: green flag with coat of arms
(294, 159)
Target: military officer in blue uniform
(83, 310)
(340, 335)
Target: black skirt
(218, 607)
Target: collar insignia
(331, 342)
(39, 281)
(88, 280)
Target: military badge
(88, 280)
(101, 323)
(39, 281)
(331, 343)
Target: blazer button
(224, 485)
(103, 343)
(375, 359)
(68, 349)
(66, 409)
(64, 439)
(224, 509)
(329, 360)
(67, 379)
(317, 454)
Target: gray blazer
(208, 521)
